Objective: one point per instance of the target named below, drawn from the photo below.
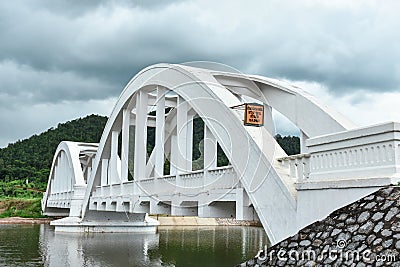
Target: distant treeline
(26, 164)
(291, 144)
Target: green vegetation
(290, 144)
(26, 208)
(25, 165)
(18, 188)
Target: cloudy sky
(60, 60)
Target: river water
(39, 245)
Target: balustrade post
(306, 167)
(299, 165)
(292, 164)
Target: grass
(17, 207)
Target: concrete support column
(57, 177)
(140, 136)
(89, 173)
(243, 209)
(303, 138)
(113, 173)
(52, 183)
(160, 133)
(268, 121)
(76, 200)
(187, 210)
(184, 136)
(125, 144)
(174, 155)
(157, 207)
(64, 173)
(210, 149)
(104, 172)
(120, 205)
(68, 174)
(69, 177)
(61, 173)
(204, 210)
(55, 182)
(189, 142)
(131, 152)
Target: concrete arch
(286, 192)
(253, 162)
(68, 155)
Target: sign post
(253, 114)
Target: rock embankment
(364, 233)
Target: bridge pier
(76, 200)
(244, 208)
(184, 208)
(107, 222)
(160, 207)
(218, 209)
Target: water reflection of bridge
(171, 246)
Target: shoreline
(197, 221)
(164, 221)
(20, 220)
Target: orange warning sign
(253, 115)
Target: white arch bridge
(113, 185)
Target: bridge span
(114, 185)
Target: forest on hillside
(25, 164)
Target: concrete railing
(192, 179)
(193, 175)
(217, 178)
(370, 152)
(60, 199)
(222, 177)
(171, 177)
(299, 166)
(222, 170)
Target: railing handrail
(296, 156)
(220, 168)
(166, 176)
(192, 172)
(147, 180)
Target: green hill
(30, 159)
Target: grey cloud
(57, 51)
(22, 120)
(32, 86)
(72, 8)
(112, 40)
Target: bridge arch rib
(70, 170)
